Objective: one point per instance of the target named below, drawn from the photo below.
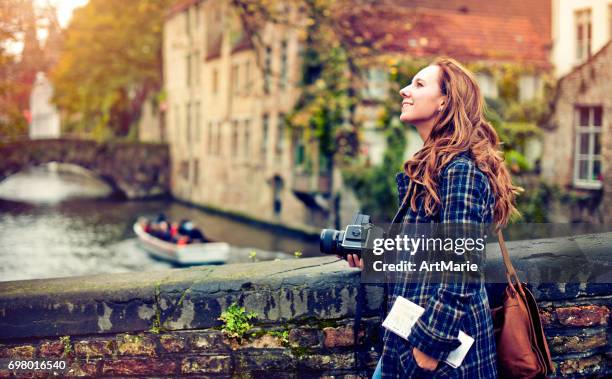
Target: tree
(110, 64)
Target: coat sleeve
(463, 194)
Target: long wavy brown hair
(460, 127)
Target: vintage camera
(355, 239)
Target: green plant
(297, 254)
(283, 336)
(253, 256)
(65, 341)
(236, 321)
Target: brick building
(578, 142)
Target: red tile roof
(425, 32)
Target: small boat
(183, 255)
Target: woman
(457, 177)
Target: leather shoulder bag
(522, 350)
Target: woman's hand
(424, 361)
(354, 260)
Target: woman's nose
(404, 92)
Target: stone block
(272, 359)
(581, 366)
(94, 348)
(134, 345)
(172, 343)
(583, 315)
(22, 351)
(138, 366)
(304, 337)
(209, 341)
(51, 349)
(577, 344)
(83, 369)
(340, 337)
(264, 342)
(210, 364)
(327, 361)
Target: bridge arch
(134, 170)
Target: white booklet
(404, 314)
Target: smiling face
(422, 99)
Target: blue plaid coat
(466, 197)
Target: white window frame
(583, 17)
(591, 129)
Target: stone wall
(135, 170)
(165, 323)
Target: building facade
(225, 117)
(578, 139)
(579, 29)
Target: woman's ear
(442, 103)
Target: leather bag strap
(511, 275)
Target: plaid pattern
(449, 306)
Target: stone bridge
(134, 170)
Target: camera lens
(329, 241)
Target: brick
(307, 337)
(172, 343)
(210, 341)
(51, 349)
(264, 342)
(581, 366)
(5, 374)
(212, 364)
(23, 351)
(584, 315)
(273, 359)
(547, 316)
(327, 361)
(339, 337)
(83, 368)
(138, 366)
(577, 344)
(94, 348)
(135, 345)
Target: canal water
(62, 222)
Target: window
(376, 83)
(234, 138)
(177, 123)
(209, 149)
(264, 136)
(583, 34)
(299, 152)
(184, 170)
(235, 80)
(530, 87)
(196, 171)
(247, 77)
(247, 138)
(267, 69)
(587, 160)
(188, 72)
(188, 21)
(487, 84)
(280, 135)
(196, 67)
(197, 125)
(188, 122)
(283, 63)
(219, 139)
(610, 21)
(215, 81)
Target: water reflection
(52, 225)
